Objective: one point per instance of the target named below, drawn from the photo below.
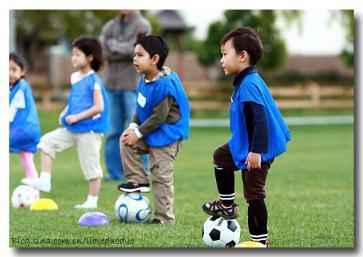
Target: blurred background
(308, 61)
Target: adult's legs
(117, 126)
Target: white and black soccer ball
(133, 208)
(23, 196)
(218, 232)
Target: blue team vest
(24, 131)
(151, 94)
(254, 89)
(81, 99)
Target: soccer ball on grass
(23, 196)
(133, 208)
(218, 232)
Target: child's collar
(242, 74)
(165, 71)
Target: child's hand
(122, 138)
(129, 137)
(73, 118)
(253, 161)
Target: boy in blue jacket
(160, 124)
(259, 134)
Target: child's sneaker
(37, 183)
(131, 187)
(157, 221)
(216, 208)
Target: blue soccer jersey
(151, 94)
(254, 89)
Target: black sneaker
(216, 208)
(157, 221)
(131, 187)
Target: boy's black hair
(154, 44)
(18, 60)
(90, 46)
(245, 39)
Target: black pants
(254, 180)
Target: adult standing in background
(118, 38)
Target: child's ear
(243, 56)
(22, 73)
(155, 59)
(90, 58)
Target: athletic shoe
(216, 208)
(157, 221)
(131, 187)
(37, 183)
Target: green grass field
(310, 197)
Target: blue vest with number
(81, 99)
(151, 94)
(24, 131)
(253, 89)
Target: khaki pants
(88, 148)
(161, 168)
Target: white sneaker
(37, 183)
(86, 206)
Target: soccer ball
(218, 232)
(133, 208)
(23, 196)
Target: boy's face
(142, 61)
(15, 72)
(232, 62)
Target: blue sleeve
(257, 127)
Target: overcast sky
(319, 34)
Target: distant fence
(209, 96)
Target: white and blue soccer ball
(23, 196)
(133, 208)
(219, 232)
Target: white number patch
(141, 100)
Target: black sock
(225, 184)
(257, 220)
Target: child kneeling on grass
(85, 119)
(259, 134)
(160, 123)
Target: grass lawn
(310, 196)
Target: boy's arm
(135, 121)
(257, 124)
(97, 108)
(159, 116)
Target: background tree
(263, 21)
(347, 20)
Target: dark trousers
(254, 180)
